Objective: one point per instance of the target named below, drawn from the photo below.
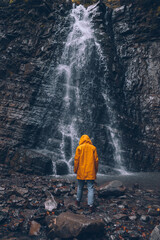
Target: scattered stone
(50, 203)
(34, 228)
(133, 217)
(144, 218)
(121, 216)
(155, 235)
(16, 201)
(15, 224)
(107, 220)
(21, 191)
(114, 188)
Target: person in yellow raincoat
(86, 168)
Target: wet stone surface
(34, 207)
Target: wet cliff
(33, 37)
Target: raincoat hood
(85, 139)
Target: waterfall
(79, 86)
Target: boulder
(31, 161)
(61, 168)
(70, 225)
(155, 235)
(114, 188)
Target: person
(86, 168)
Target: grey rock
(62, 168)
(114, 188)
(144, 218)
(155, 235)
(50, 203)
(133, 218)
(120, 216)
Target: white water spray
(78, 51)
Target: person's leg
(80, 190)
(90, 186)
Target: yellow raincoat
(86, 159)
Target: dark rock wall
(32, 36)
(31, 33)
(137, 40)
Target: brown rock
(70, 225)
(34, 228)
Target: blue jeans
(90, 186)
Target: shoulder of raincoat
(86, 159)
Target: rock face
(30, 50)
(136, 39)
(26, 48)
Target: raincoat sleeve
(76, 160)
(96, 159)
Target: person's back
(86, 160)
(86, 167)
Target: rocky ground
(40, 207)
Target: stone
(155, 235)
(70, 225)
(34, 228)
(133, 218)
(61, 168)
(120, 216)
(50, 204)
(107, 220)
(51, 224)
(144, 218)
(21, 191)
(16, 201)
(114, 188)
(15, 224)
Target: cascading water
(80, 90)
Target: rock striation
(31, 33)
(137, 39)
(32, 38)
